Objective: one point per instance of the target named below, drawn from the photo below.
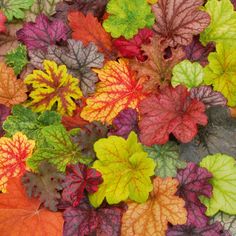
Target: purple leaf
(4, 113)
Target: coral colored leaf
(12, 90)
(20, 215)
(127, 17)
(13, 154)
(42, 33)
(194, 182)
(3, 19)
(125, 169)
(4, 113)
(223, 170)
(172, 111)
(118, 89)
(55, 86)
(152, 217)
(177, 21)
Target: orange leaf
(12, 90)
(118, 89)
(233, 111)
(152, 217)
(13, 154)
(20, 215)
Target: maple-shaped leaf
(4, 113)
(125, 169)
(13, 155)
(78, 59)
(132, 48)
(3, 19)
(157, 67)
(125, 122)
(79, 178)
(167, 159)
(194, 182)
(152, 217)
(118, 89)
(171, 111)
(12, 90)
(22, 215)
(46, 185)
(86, 220)
(55, 86)
(42, 33)
(223, 170)
(177, 21)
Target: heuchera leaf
(132, 48)
(118, 89)
(45, 185)
(125, 169)
(79, 178)
(42, 33)
(13, 155)
(194, 182)
(55, 86)
(3, 19)
(127, 17)
(223, 170)
(177, 21)
(4, 113)
(22, 215)
(12, 90)
(152, 217)
(167, 159)
(172, 111)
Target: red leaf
(3, 19)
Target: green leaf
(188, 74)
(166, 158)
(223, 169)
(127, 17)
(125, 169)
(15, 8)
(223, 23)
(17, 58)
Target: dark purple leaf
(4, 113)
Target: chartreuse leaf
(188, 74)
(223, 169)
(125, 169)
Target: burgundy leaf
(4, 113)
(234, 3)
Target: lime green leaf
(127, 17)
(223, 22)
(188, 74)
(166, 158)
(221, 72)
(125, 169)
(223, 169)
(17, 58)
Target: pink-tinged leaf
(193, 183)
(4, 113)
(132, 48)
(42, 33)
(3, 19)
(171, 111)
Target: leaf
(152, 217)
(125, 169)
(194, 182)
(42, 33)
(220, 72)
(4, 113)
(17, 58)
(166, 158)
(79, 178)
(188, 74)
(172, 111)
(223, 170)
(126, 21)
(45, 185)
(78, 59)
(13, 154)
(15, 8)
(122, 90)
(132, 48)
(22, 215)
(12, 90)
(55, 86)
(177, 21)
(3, 19)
